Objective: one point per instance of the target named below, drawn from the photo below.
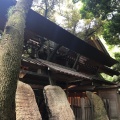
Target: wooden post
(77, 59)
(92, 109)
(83, 108)
(67, 93)
(50, 78)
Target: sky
(60, 18)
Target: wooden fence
(82, 108)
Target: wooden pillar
(83, 108)
(51, 81)
(67, 93)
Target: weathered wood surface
(99, 109)
(111, 101)
(26, 106)
(57, 104)
(82, 107)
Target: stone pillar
(99, 109)
(57, 104)
(26, 106)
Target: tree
(108, 11)
(111, 31)
(71, 17)
(46, 7)
(10, 58)
(76, 23)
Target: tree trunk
(10, 58)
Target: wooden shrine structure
(54, 56)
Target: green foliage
(99, 8)
(85, 14)
(46, 7)
(117, 66)
(112, 30)
(72, 18)
(108, 11)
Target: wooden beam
(82, 88)
(34, 86)
(33, 73)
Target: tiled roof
(65, 70)
(58, 68)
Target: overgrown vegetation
(108, 12)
